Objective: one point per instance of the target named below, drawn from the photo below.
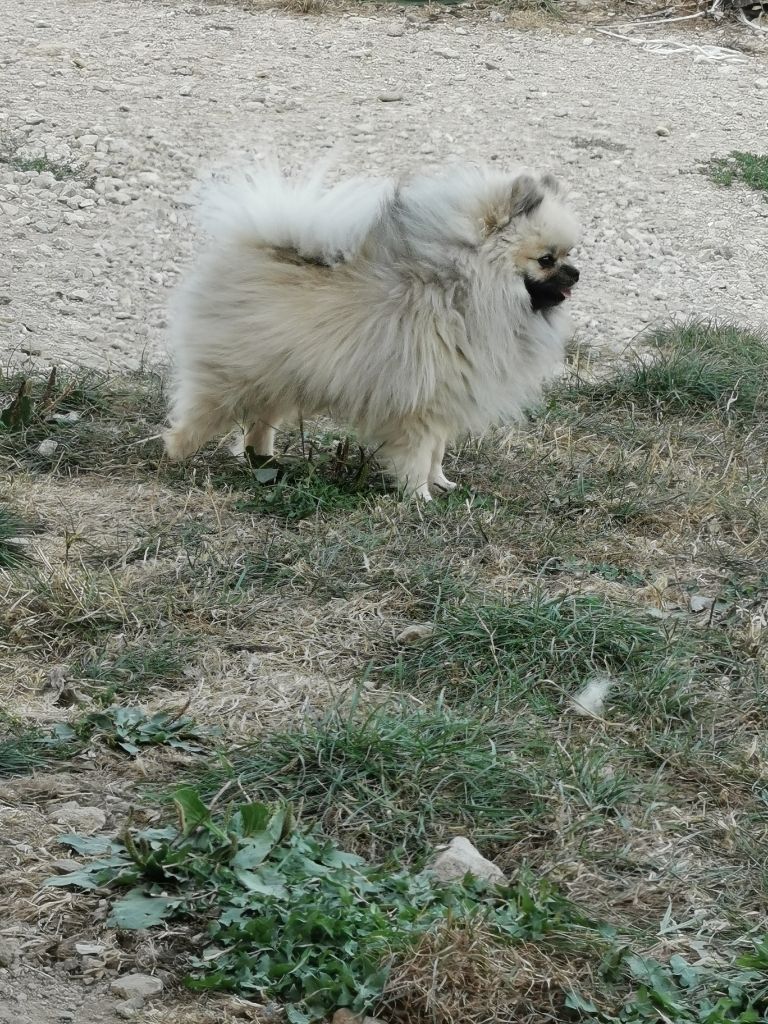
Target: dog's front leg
(436, 476)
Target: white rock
(137, 986)
(396, 30)
(761, 83)
(80, 819)
(461, 858)
(390, 97)
(34, 118)
(663, 130)
(413, 634)
(444, 51)
(126, 1011)
(346, 1016)
(47, 447)
(89, 948)
(700, 602)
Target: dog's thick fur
(416, 311)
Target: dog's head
(529, 227)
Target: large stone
(137, 986)
(461, 858)
(80, 819)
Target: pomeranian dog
(415, 311)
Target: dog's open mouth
(552, 291)
(546, 294)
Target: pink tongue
(566, 293)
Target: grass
(133, 670)
(41, 164)
(11, 154)
(751, 169)
(25, 749)
(538, 648)
(622, 530)
(698, 369)
(14, 531)
(395, 778)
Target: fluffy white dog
(415, 311)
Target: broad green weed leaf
(251, 819)
(136, 910)
(194, 813)
(91, 845)
(254, 882)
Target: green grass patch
(40, 164)
(694, 369)
(14, 531)
(537, 649)
(330, 481)
(141, 664)
(97, 420)
(398, 779)
(749, 168)
(24, 749)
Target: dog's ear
(522, 198)
(551, 184)
(525, 197)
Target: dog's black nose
(571, 272)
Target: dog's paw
(421, 492)
(176, 445)
(444, 483)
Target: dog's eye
(547, 261)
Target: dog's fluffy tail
(264, 206)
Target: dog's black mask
(553, 291)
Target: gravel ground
(142, 97)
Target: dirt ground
(140, 99)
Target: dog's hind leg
(436, 475)
(261, 434)
(408, 459)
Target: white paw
(422, 492)
(444, 483)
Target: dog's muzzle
(553, 291)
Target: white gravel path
(145, 95)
